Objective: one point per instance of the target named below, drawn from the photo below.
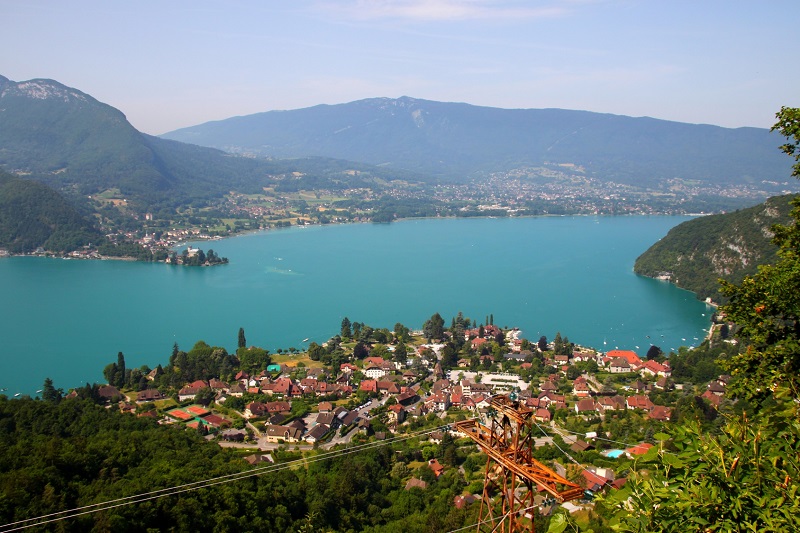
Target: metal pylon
(512, 474)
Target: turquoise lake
(67, 319)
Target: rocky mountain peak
(40, 89)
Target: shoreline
(66, 255)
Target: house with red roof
(216, 420)
(654, 368)
(348, 367)
(639, 401)
(633, 360)
(612, 403)
(368, 385)
(594, 482)
(661, 413)
(581, 388)
(463, 500)
(396, 414)
(477, 342)
(548, 386)
(217, 384)
(189, 391)
(438, 402)
(309, 385)
(639, 449)
(415, 483)
(585, 406)
(437, 468)
(547, 398)
(712, 398)
(255, 409)
(388, 387)
(377, 361)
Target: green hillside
(695, 254)
(33, 215)
(68, 140)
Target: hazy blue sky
(170, 64)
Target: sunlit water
(67, 319)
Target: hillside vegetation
(696, 254)
(66, 139)
(33, 215)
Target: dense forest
(33, 215)
(67, 454)
(696, 254)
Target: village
(596, 408)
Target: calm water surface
(67, 319)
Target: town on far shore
(368, 384)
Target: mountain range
(100, 168)
(68, 140)
(458, 141)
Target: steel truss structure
(512, 474)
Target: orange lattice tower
(511, 471)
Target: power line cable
(139, 498)
(489, 521)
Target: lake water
(67, 319)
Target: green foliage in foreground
(744, 479)
(766, 306)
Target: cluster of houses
(624, 361)
(387, 379)
(329, 418)
(383, 378)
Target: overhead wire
(489, 521)
(228, 478)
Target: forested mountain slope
(696, 254)
(33, 215)
(77, 145)
(458, 140)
